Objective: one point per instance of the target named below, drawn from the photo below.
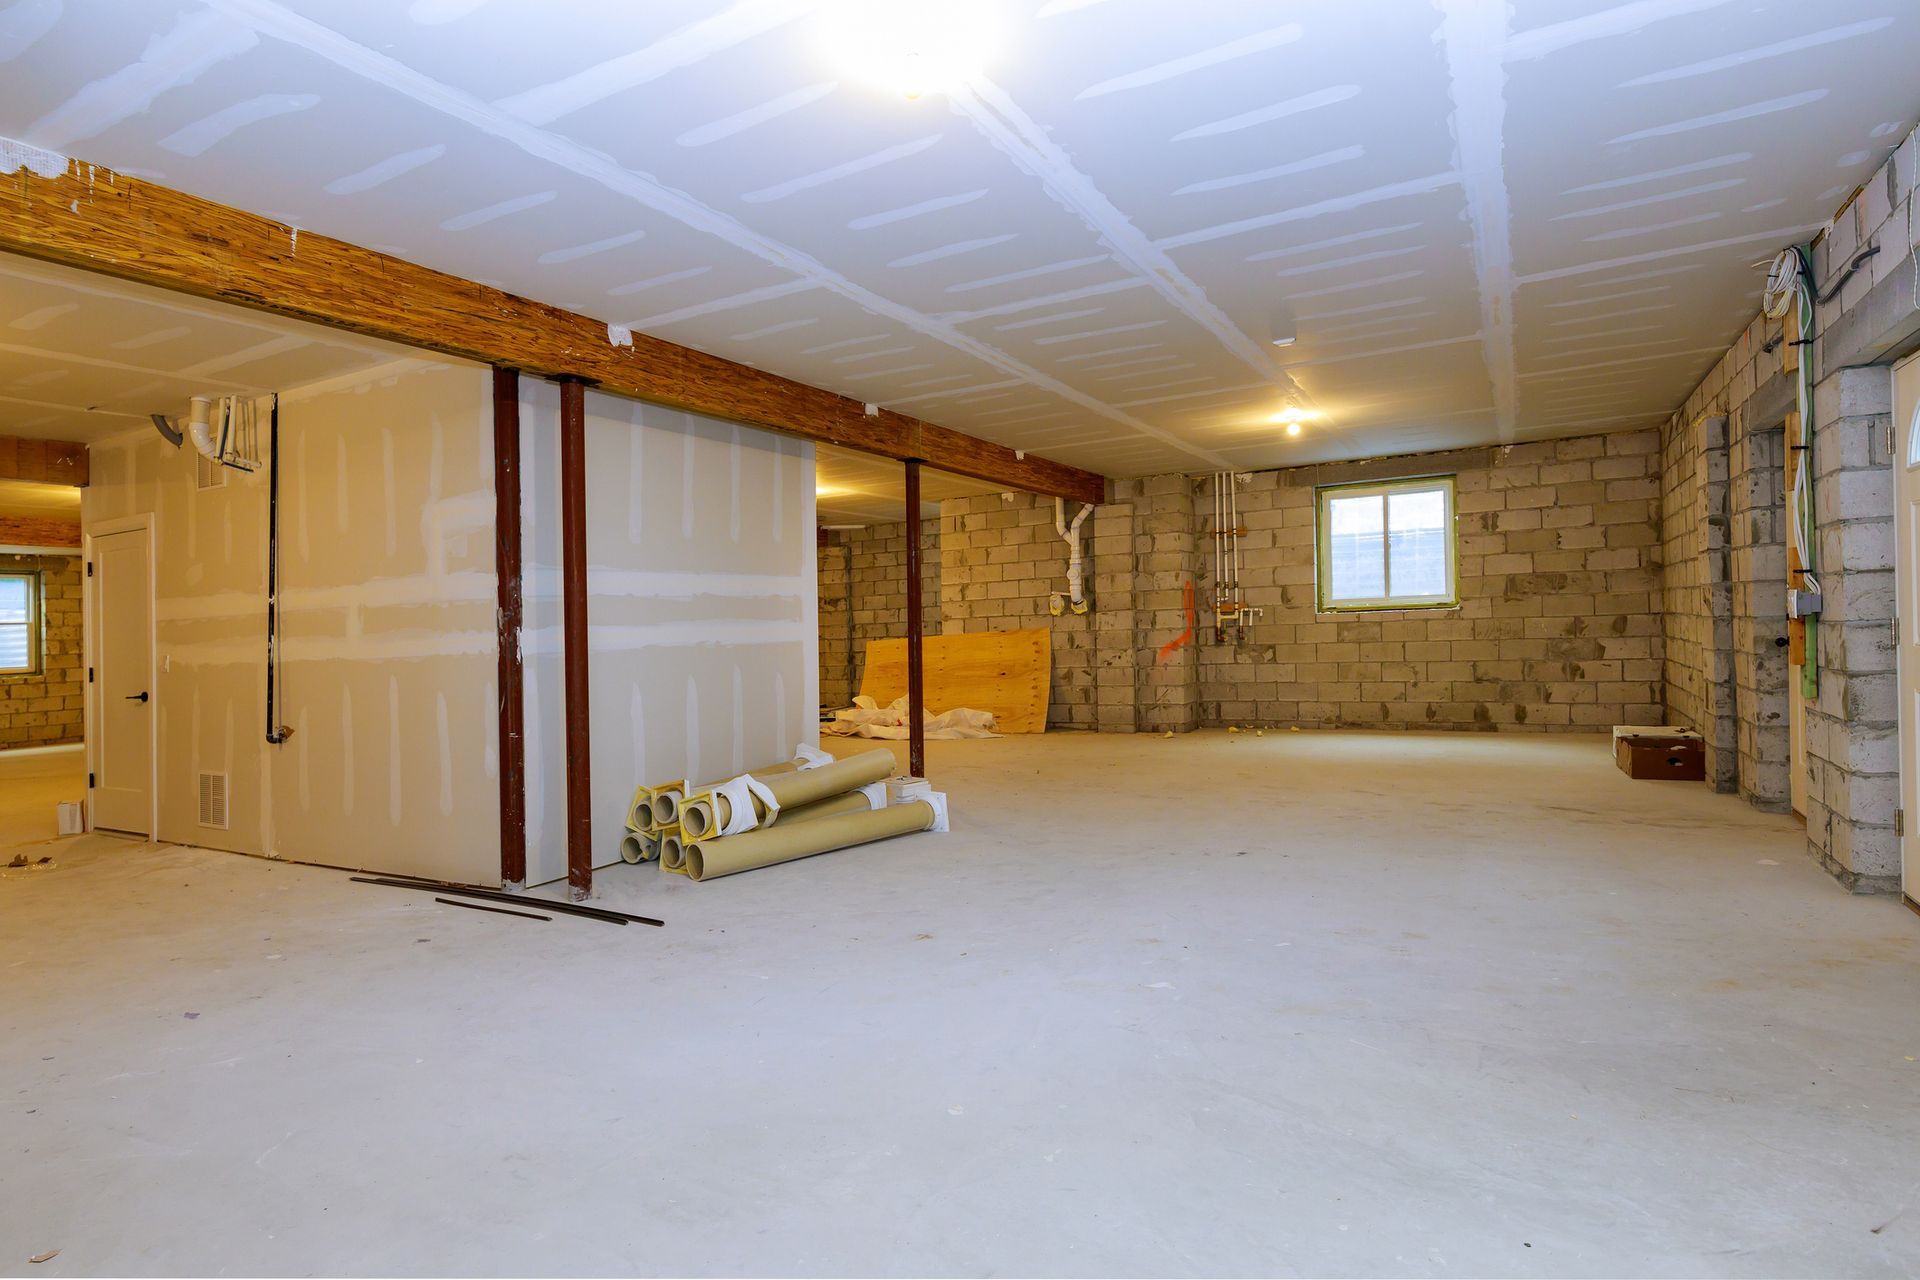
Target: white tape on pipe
(811, 757)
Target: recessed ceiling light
(1293, 428)
(1287, 341)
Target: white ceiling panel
(1484, 221)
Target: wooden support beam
(573, 628)
(506, 566)
(916, 684)
(39, 531)
(43, 461)
(93, 218)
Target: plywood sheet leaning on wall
(1005, 672)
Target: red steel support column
(506, 567)
(573, 609)
(916, 692)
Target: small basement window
(20, 622)
(1387, 546)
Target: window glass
(1419, 549)
(16, 622)
(1355, 551)
(1386, 546)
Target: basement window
(19, 623)
(1387, 546)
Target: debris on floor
(868, 719)
(48, 1256)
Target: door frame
(89, 639)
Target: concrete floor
(33, 782)
(1302, 1004)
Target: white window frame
(1323, 572)
(36, 625)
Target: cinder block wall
(1558, 626)
(42, 709)
(1000, 559)
(875, 596)
(1726, 673)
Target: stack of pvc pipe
(798, 809)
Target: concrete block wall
(1852, 727)
(1558, 626)
(1000, 560)
(1757, 566)
(48, 707)
(871, 604)
(1696, 593)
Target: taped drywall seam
(1473, 34)
(16, 156)
(1026, 144)
(269, 18)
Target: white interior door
(1906, 420)
(123, 683)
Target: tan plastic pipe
(832, 806)
(672, 854)
(674, 808)
(666, 806)
(639, 846)
(696, 817)
(639, 815)
(709, 859)
(804, 786)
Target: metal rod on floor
(916, 691)
(573, 607)
(514, 899)
(506, 562)
(498, 911)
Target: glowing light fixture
(1293, 415)
(911, 47)
(1293, 428)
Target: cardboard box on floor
(1659, 751)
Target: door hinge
(1899, 822)
(89, 675)
(89, 568)
(89, 782)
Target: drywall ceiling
(27, 498)
(858, 488)
(84, 357)
(1489, 222)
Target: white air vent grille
(208, 474)
(213, 800)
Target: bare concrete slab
(1301, 1004)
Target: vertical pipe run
(916, 691)
(506, 567)
(573, 608)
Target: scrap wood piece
(1004, 672)
(48, 1256)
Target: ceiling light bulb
(1287, 341)
(912, 47)
(1293, 428)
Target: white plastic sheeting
(868, 719)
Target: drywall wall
(701, 580)
(46, 707)
(387, 591)
(872, 598)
